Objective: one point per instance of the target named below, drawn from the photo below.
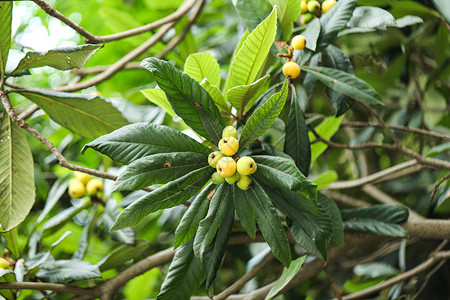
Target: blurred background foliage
(409, 67)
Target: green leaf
(158, 169)
(58, 188)
(7, 275)
(329, 207)
(346, 84)
(5, 34)
(333, 57)
(325, 179)
(240, 95)
(443, 7)
(375, 270)
(210, 224)
(380, 212)
(280, 172)
(158, 97)
(288, 11)
(17, 191)
(184, 93)
(67, 270)
(122, 254)
(203, 65)
(193, 215)
(436, 150)
(252, 12)
(169, 195)
(212, 126)
(263, 118)
(110, 214)
(335, 19)
(326, 129)
(215, 252)
(296, 141)
(184, 277)
(62, 218)
(286, 277)
(134, 141)
(89, 116)
(61, 59)
(250, 58)
(244, 211)
(312, 33)
(269, 223)
(376, 227)
(370, 17)
(216, 95)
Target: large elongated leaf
(184, 93)
(203, 65)
(122, 254)
(89, 116)
(346, 84)
(192, 217)
(370, 17)
(329, 206)
(252, 12)
(169, 195)
(212, 125)
(216, 95)
(208, 226)
(376, 227)
(158, 97)
(335, 19)
(296, 142)
(240, 95)
(215, 252)
(269, 223)
(66, 270)
(244, 211)
(262, 119)
(111, 213)
(184, 277)
(288, 12)
(5, 33)
(17, 190)
(250, 58)
(142, 139)
(281, 172)
(158, 168)
(312, 33)
(286, 276)
(61, 59)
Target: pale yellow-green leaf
(158, 97)
(216, 95)
(326, 129)
(288, 12)
(203, 65)
(240, 95)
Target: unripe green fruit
(313, 6)
(298, 42)
(244, 183)
(214, 157)
(304, 6)
(94, 186)
(291, 69)
(4, 264)
(229, 146)
(246, 165)
(229, 131)
(83, 177)
(217, 179)
(226, 167)
(76, 189)
(233, 179)
(306, 18)
(327, 5)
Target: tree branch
(42, 286)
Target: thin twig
(433, 193)
(42, 286)
(100, 69)
(336, 290)
(95, 39)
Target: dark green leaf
(346, 84)
(158, 169)
(244, 211)
(134, 141)
(183, 93)
(335, 19)
(61, 59)
(111, 213)
(376, 227)
(312, 33)
(310, 81)
(184, 277)
(269, 223)
(281, 172)
(215, 252)
(58, 188)
(122, 254)
(252, 12)
(17, 190)
(7, 275)
(169, 195)
(67, 270)
(212, 126)
(286, 277)
(263, 118)
(329, 207)
(89, 116)
(296, 142)
(5, 33)
(210, 224)
(381, 212)
(192, 217)
(88, 227)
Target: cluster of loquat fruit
(231, 168)
(311, 8)
(6, 263)
(84, 183)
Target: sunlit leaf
(203, 65)
(5, 33)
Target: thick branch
(41, 286)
